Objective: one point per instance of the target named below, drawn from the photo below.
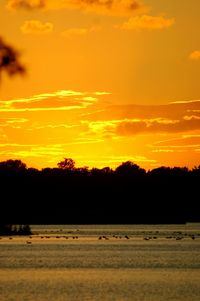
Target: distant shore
(10, 229)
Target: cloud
(75, 31)
(186, 143)
(195, 55)
(127, 128)
(147, 22)
(62, 100)
(132, 120)
(48, 126)
(79, 31)
(113, 7)
(185, 140)
(36, 27)
(15, 150)
(9, 59)
(12, 122)
(171, 111)
(90, 118)
(185, 101)
(102, 93)
(191, 117)
(115, 160)
(103, 129)
(163, 150)
(25, 4)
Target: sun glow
(106, 82)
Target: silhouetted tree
(129, 168)
(83, 170)
(12, 165)
(107, 170)
(163, 170)
(196, 170)
(95, 171)
(24, 230)
(67, 164)
(180, 170)
(10, 229)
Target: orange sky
(107, 81)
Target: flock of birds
(175, 235)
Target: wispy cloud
(133, 128)
(146, 22)
(195, 55)
(105, 135)
(36, 27)
(186, 143)
(102, 93)
(189, 140)
(75, 32)
(131, 120)
(79, 31)
(185, 101)
(171, 111)
(191, 117)
(59, 100)
(108, 123)
(15, 150)
(130, 127)
(108, 129)
(12, 120)
(116, 160)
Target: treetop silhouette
(67, 164)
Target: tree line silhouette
(10, 229)
(127, 194)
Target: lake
(102, 262)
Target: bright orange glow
(106, 82)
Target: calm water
(107, 262)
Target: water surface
(102, 262)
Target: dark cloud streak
(129, 128)
(25, 4)
(99, 6)
(173, 111)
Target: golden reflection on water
(104, 284)
(86, 268)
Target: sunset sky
(107, 81)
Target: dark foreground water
(107, 262)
